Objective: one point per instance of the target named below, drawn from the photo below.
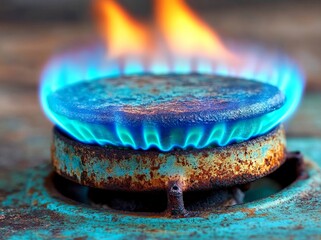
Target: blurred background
(32, 30)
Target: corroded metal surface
(133, 170)
(175, 200)
(30, 209)
(135, 100)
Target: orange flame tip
(124, 35)
(185, 33)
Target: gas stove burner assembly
(175, 171)
(189, 155)
(181, 103)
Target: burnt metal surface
(31, 209)
(165, 100)
(110, 167)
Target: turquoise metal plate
(29, 209)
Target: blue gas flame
(89, 64)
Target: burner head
(167, 111)
(166, 100)
(119, 168)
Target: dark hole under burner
(200, 200)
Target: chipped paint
(30, 209)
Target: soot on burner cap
(166, 100)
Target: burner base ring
(118, 168)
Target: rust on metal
(175, 204)
(117, 168)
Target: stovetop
(30, 207)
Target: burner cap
(165, 100)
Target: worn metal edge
(117, 168)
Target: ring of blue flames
(260, 64)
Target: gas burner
(221, 169)
(179, 105)
(172, 201)
(209, 187)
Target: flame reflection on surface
(179, 43)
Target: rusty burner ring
(125, 169)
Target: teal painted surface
(28, 210)
(310, 147)
(307, 120)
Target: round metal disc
(165, 100)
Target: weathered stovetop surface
(30, 208)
